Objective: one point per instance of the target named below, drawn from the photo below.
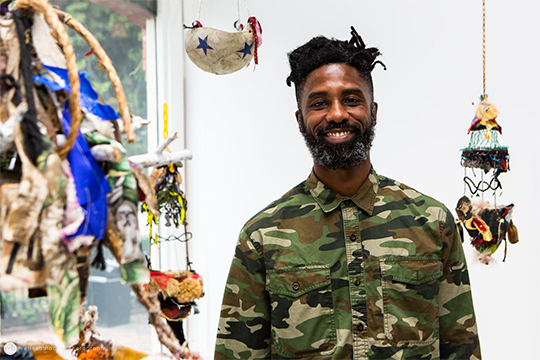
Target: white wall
(247, 150)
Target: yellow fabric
(124, 353)
(43, 351)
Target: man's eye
(352, 101)
(318, 104)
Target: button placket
(351, 228)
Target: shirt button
(296, 286)
(360, 327)
(347, 202)
(357, 282)
(353, 237)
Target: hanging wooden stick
(159, 158)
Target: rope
(106, 63)
(484, 43)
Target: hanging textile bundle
(487, 226)
(220, 52)
(171, 202)
(486, 223)
(484, 150)
(177, 292)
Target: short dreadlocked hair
(321, 51)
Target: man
(348, 264)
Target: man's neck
(345, 182)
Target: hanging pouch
(220, 52)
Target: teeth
(337, 134)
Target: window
(121, 32)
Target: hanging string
(481, 183)
(484, 43)
(199, 11)
(239, 21)
(495, 197)
(464, 183)
(247, 8)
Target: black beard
(339, 156)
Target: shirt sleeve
(244, 324)
(458, 331)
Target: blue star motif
(203, 45)
(246, 50)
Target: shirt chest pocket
(302, 311)
(410, 289)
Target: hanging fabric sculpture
(177, 292)
(487, 224)
(220, 52)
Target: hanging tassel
(257, 35)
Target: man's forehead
(336, 73)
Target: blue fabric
(89, 98)
(90, 182)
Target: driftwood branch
(160, 158)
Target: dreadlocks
(321, 51)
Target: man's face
(337, 116)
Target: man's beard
(340, 156)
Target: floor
(135, 335)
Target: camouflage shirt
(380, 275)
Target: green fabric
(64, 307)
(135, 272)
(116, 170)
(376, 276)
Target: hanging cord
(464, 183)
(247, 8)
(484, 43)
(199, 11)
(482, 180)
(482, 186)
(238, 23)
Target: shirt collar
(329, 200)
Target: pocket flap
(297, 281)
(411, 271)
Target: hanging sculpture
(487, 224)
(66, 185)
(220, 52)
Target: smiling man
(348, 264)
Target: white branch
(160, 158)
(149, 160)
(166, 143)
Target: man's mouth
(338, 133)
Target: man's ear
(374, 112)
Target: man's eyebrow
(317, 93)
(355, 90)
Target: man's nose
(337, 112)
